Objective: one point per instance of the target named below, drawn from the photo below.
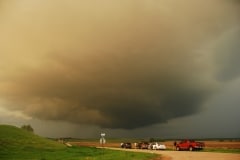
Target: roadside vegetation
(19, 144)
(222, 150)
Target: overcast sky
(130, 68)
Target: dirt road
(187, 155)
(182, 155)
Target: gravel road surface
(187, 155)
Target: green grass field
(18, 144)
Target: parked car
(126, 145)
(144, 145)
(189, 145)
(157, 146)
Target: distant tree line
(156, 140)
(27, 128)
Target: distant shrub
(156, 140)
(27, 128)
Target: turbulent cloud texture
(115, 64)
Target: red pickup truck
(189, 145)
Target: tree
(27, 128)
(151, 140)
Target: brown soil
(169, 144)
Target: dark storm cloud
(228, 50)
(112, 64)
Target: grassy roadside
(222, 150)
(18, 144)
(73, 153)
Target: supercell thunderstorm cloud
(116, 64)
